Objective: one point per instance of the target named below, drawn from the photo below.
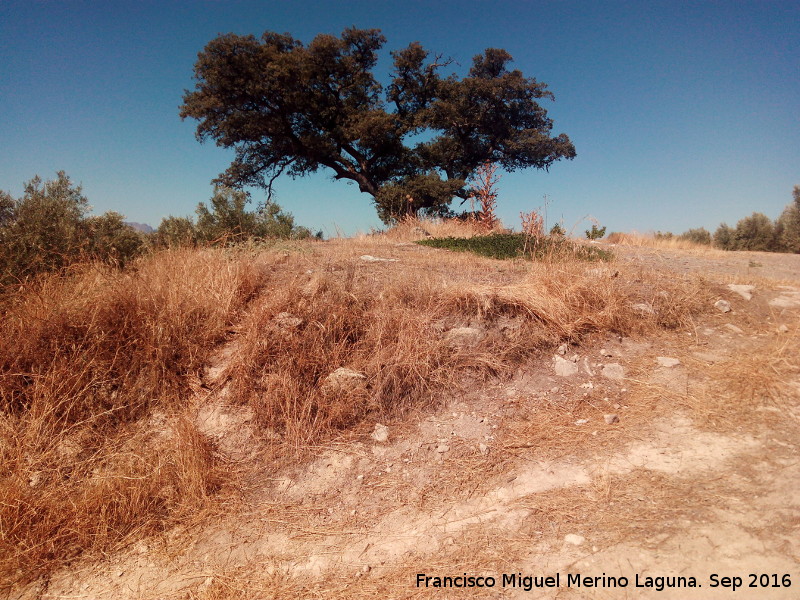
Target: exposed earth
(671, 462)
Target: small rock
(783, 329)
(442, 448)
(562, 349)
(605, 352)
(733, 328)
(343, 380)
(465, 336)
(611, 419)
(381, 433)
(613, 371)
(666, 361)
(745, 291)
(574, 539)
(563, 367)
(643, 309)
(368, 258)
(287, 320)
(723, 306)
(366, 569)
(588, 385)
(581, 421)
(484, 449)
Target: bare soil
(668, 476)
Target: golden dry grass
(637, 240)
(97, 441)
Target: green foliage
(668, 235)
(558, 231)
(724, 238)
(788, 225)
(48, 229)
(697, 236)
(756, 232)
(174, 232)
(226, 220)
(289, 108)
(110, 239)
(595, 233)
(513, 245)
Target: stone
(574, 539)
(381, 433)
(783, 329)
(368, 258)
(733, 328)
(613, 371)
(604, 352)
(465, 336)
(343, 380)
(643, 308)
(745, 291)
(562, 349)
(287, 320)
(723, 306)
(666, 361)
(484, 449)
(581, 421)
(611, 419)
(442, 448)
(563, 367)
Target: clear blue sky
(683, 114)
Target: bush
(788, 225)
(696, 236)
(48, 229)
(595, 233)
(756, 232)
(724, 238)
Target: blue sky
(683, 114)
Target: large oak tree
(289, 108)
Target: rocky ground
(623, 468)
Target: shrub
(724, 237)
(756, 232)
(697, 236)
(595, 233)
(516, 245)
(788, 225)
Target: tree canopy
(289, 108)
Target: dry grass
(411, 228)
(637, 240)
(98, 446)
(84, 363)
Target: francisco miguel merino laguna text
(529, 582)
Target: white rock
(783, 329)
(666, 361)
(368, 258)
(343, 380)
(563, 367)
(613, 371)
(381, 433)
(484, 449)
(442, 448)
(611, 419)
(287, 320)
(643, 309)
(745, 291)
(605, 352)
(574, 539)
(465, 336)
(581, 421)
(562, 349)
(733, 328)
(722, 306)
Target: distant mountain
(143, 227)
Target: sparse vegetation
(595, 233)
(518, 245)
(99, 439)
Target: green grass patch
(513, 245)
